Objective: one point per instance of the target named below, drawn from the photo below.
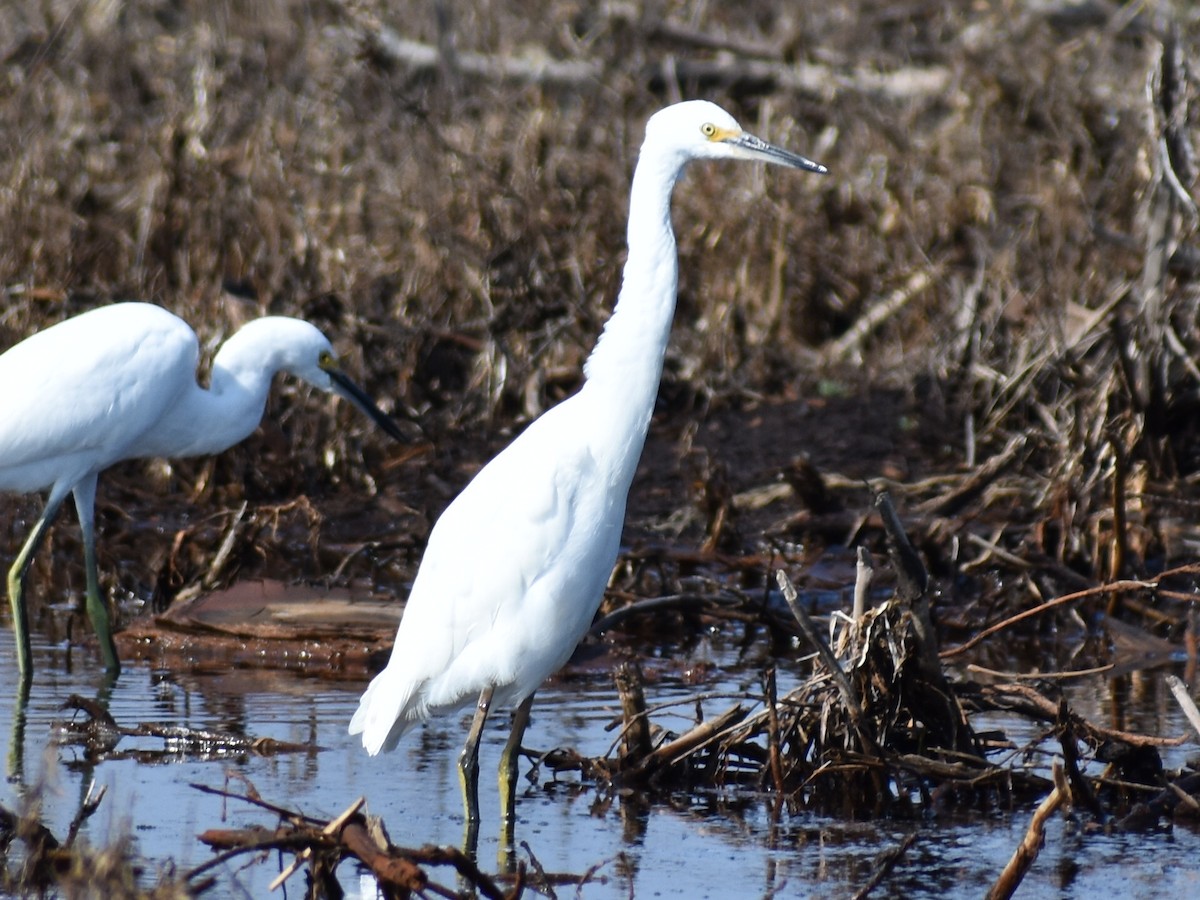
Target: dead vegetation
(35, 862)
(989, 307)
(877, 728)
(874, 728)
(1004, 245)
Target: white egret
(119, 382)
(516, 566)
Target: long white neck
(624, 369)
(211, 420)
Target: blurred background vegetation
(1000, 268)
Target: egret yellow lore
(516, 566)
(119, 382)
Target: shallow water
(711, 844)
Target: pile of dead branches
(867, 729)
(879, 727)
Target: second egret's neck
(627, 363)
(213, 420)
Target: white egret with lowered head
(516, 566)
(119, 382)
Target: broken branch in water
(818, 643)
(1179, 691)
(100, 734)
(1113, 587)
(886, 863)
(322, 845)
(1030, 846)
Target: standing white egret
(119, 382)
(516, 566)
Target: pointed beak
(750, 147)
(344, 387)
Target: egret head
(698, 129)
(299, 348)
(339, 383)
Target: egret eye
(708, 129)
(325, 360)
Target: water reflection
(717, 843)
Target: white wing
(509, 582)
(75, 397)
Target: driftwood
(322, 845)
(1030, 846)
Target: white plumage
(119, 382)
(516, 566)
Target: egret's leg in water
(16, 744)
(509, 759)
(97, 609)
(16, 583)
(468, 762)
(508, 785)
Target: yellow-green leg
(16, 744)
(97, 609)
(510, 758)
(468, 761)
(468, 775)
(16, 584)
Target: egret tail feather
(383, 715)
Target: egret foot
(509, 760)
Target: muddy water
(715, 844)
